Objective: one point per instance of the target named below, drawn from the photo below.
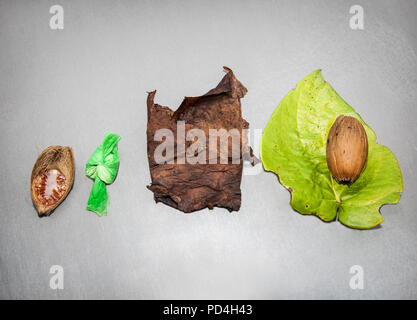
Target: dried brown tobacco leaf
(190, 187)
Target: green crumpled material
(294, 147)
(102, 167)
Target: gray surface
(66, 87)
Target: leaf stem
(334, 191)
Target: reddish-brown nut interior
(50, 186)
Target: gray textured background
(67, 87)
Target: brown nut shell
(52, 178)
(347, 149)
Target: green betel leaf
(294, 147)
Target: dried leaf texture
(190, 187)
